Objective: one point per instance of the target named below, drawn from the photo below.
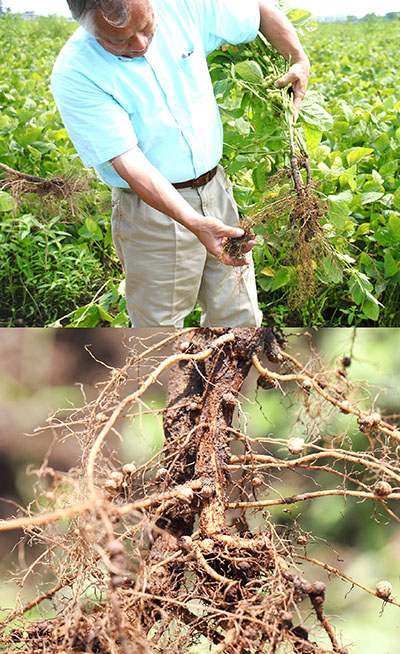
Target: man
(133, 89)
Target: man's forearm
(152, 187)
(279, 31)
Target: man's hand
(297, 76)
(279, 31)
(213, 234)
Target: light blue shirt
(163, 101)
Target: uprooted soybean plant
(288, 203)
(181, 553)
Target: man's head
(122, 27)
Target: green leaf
(363, 229)
(282, 278)
(107, 240)
(382, 141)
(29, 135)
(372, 186)
(389, 168)
(58, 134)
(302, 19)
(371, 309)
(249, 71)
(87, 316)
(4, 123)
(339, 205)
(313, 136)
(345, 197)
(104, 315)
(371, 196)
(232, 113)
(332, 272)
(356, 154)
(239, 163)
(368, 264)
(396, 199)
(121, 320)
(265, 283)
(390, 266)
(357, 292)
(349, 180)
(43, 147)
(30, 104)
(340, 127)
(394, 228)
(243, 126)
(337, 168)
(348, 112)
(90, 230)
(259, 176)
(269, 272)
(314, 114)
(377, 177)
(7, 202)
(360, 287)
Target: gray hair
(115, 12)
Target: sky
(319, 8)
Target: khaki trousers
(168, 270)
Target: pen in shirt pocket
(185, 55)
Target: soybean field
(327, 230)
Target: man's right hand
(213, 234)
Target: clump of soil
(237, 247)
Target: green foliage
(33, 138)
(53, 264)
(44, 268)
(358, 160)
(100, 310)
(350, 124)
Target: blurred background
(43, 371)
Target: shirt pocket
(194, 74)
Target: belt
(198, 181)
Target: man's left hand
(297, 76)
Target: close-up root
(165, 555)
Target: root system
(56, 195)
(19, 183)
(160, 557)
(289, 219)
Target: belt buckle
(200, 181)
(203, 179)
